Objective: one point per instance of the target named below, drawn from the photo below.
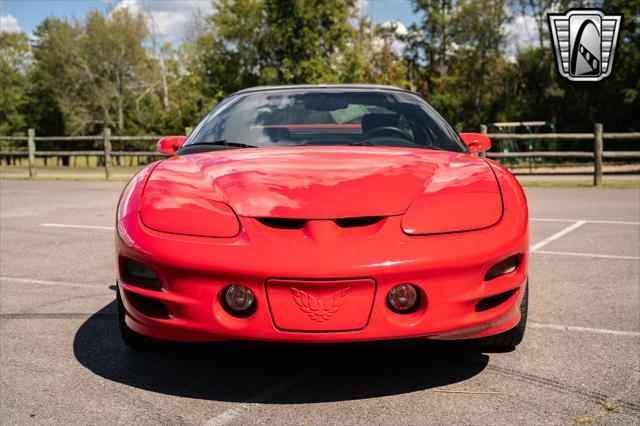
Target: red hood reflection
(322, 182)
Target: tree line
(110, 70)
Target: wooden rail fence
(597, 154)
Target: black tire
(132, 339)
(509, 339)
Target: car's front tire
(509, 339)
(132, 339)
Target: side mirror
(170, 144)
(476, 142)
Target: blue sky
(171, 16)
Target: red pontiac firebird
(327, 213)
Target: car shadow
(254, 372)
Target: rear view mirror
(170, 144)
(476, 142)
(325, 102)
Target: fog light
(507, 266)
(403, 298)
(239, 300)
(139, 270)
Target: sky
(172, 17)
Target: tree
(253, 42)
(436, 30)
(233, 48)
(49, 75)
(457, 44)
(303, 38)
(370, 56)
(14, 65)
(95, 70)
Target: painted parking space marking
(602, 256)
(533, 248)
(268, 394)
(533, 219)
(63, 225)
(557, 235)
(584, 329)
(51, 283)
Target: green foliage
(14, 50)
(76, 77)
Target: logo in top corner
(584, 41)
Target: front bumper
(448, 269)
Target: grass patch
(611, 406)
(83, 174)
(70, 170)
(615, 184)
(124, 173)
(607, 407)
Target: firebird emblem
(319, 310)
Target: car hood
(323, 182)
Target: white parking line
(607, 222)
(557, 235)
(231, 414)
(603, 256)
(62, 225)
(533, 248)
(53, 283)
(585, 329)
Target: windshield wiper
(224, 142)
(361, 143)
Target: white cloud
(520, 33)
(362, 7)
(168, 18)
(399, 29)
(9, 24)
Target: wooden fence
(597, 154)
(107, 153)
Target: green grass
(615, 184)
(124, 173)
(85, 174)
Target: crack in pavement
(594, 396)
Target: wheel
(509, 339)
(132, 339)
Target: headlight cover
(452, 212)
(188, 214)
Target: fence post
(597, 154)
(484, 131)
(106, 139)
(31, 147)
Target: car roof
(371, 87)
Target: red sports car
(327, 213)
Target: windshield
(325, 117)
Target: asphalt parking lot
(62, 361)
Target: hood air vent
(346, 222)
(354, 222)
(281, 223)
